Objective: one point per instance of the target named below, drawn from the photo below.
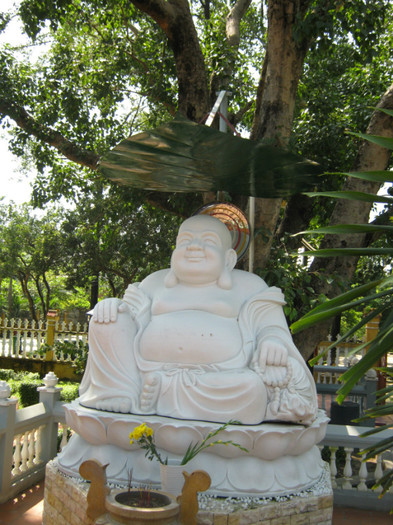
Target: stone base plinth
(65, 503)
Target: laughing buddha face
(203, 253)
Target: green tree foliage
(377, 294)
(108, 234)
(31, 249)
(111, 68)
(117, 67)
(113, 235)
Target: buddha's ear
(230, 259)
(225, 279)
(170, 280)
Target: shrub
(24, 386)
(69, 392)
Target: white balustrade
(23, 338)
(28, 437)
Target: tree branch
(233, 21)
(67, 148)
(160, 11)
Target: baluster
(339, 358)
(323, 401)
(18, 336)
(24, 337)
(333, 467)
(11, 350)
(25, 452)
(346, 359)
(32, 337)
(378, 472)
(31, 342)
(38, 445)
(41, 334)
(17, 456)
(329, 379)
(78, 332)
(4, 338)
(348, 469)
(64, 439)
(31, 450)
(363, 473)
(61, 332)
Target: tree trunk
(23, 279)
(40, 294)
(10, 298)
(370, 158)
(297, 215)
(47, 295)
(275, 105)
(94, 289)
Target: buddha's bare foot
(115, 404)
(150, 391)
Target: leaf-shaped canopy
(181, 156)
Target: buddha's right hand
(106, 311)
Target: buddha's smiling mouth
(195, 258)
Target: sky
(15, 184)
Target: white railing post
(7, 426)
(49, 395)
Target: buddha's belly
(191, 337)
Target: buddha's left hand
(272, 353)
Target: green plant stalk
(193, 450)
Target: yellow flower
(138, 431)
(131, 440)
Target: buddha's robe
(204, 358)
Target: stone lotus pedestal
(283, 458)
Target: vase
(141, 507)
(172, 479)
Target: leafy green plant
(75, 351)
(377, 294)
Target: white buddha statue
(198, 341)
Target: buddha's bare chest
(221, 303)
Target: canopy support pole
(251, 249)
(221, 105)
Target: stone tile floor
(26, 509)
